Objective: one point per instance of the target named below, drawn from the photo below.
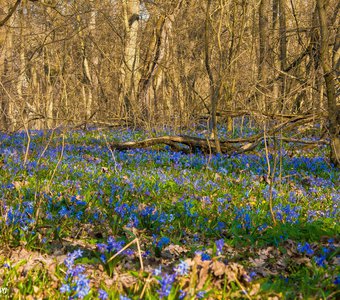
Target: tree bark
(130, 63)
(329, 76)
(215, 87)
(263, 67)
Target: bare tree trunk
(276, 57)
(48, 97)
(130, 63)
(283, 48)
(334, 127)
(263, 67)
(214, 87)
(87, 50)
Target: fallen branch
(186, 143)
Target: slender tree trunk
(215, 87)
(263, 67)
(329, 76)
(87, 53)
(283, 46)
(129, 67)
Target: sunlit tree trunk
(329, 75)
(263, 66)
(130, 62)
(283, 49)
(214, 85)
(88, 58)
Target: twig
(140, 254)
(270, 178)
(112, 153)
(59, 161)
(144, 287)
(242, 288)
(127, 246)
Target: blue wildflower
(182, 269)
(71, 257)
(157, 271)
(250, 276)
(320, 260)
(306, 248)
(65, 288)
(219, 246)
(182, 294)
(82, 286)
(201, 294)
(102, 248)
(204, 256)
(163, 241)
(166, 285)
(103, 258)
(75, 271)
(102, 295)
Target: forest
(180, 149)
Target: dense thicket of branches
(146, 62)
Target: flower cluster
(166, 281)
(219, 246)
(321, 259)
(76, 285)
(305, 248)
(110, 247)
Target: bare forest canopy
(157, 62)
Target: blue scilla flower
(201, 294)
(121, 297)
(103, 258)
(243, 217)
(102, 295)
(182, 269)
(306, 248)
(113, 245)
(102, 248)
(204, 256)
(157, 271)
(65, 288)
(182, 294)
(166, 282)
(320, 260)
(82, 286)
(71, 257)
(163, 241)
(75, 271)
(250, 276)
(219, 246)
(63, 212)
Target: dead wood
(187, 144)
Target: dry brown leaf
(127, 280)
(20, 184)
(257, 262)
(218, 268)
(303, 261)
(255, 288)
(204, 274)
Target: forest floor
(81, 221)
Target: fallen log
(186, 143)
(189, 144)
(177, 143)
